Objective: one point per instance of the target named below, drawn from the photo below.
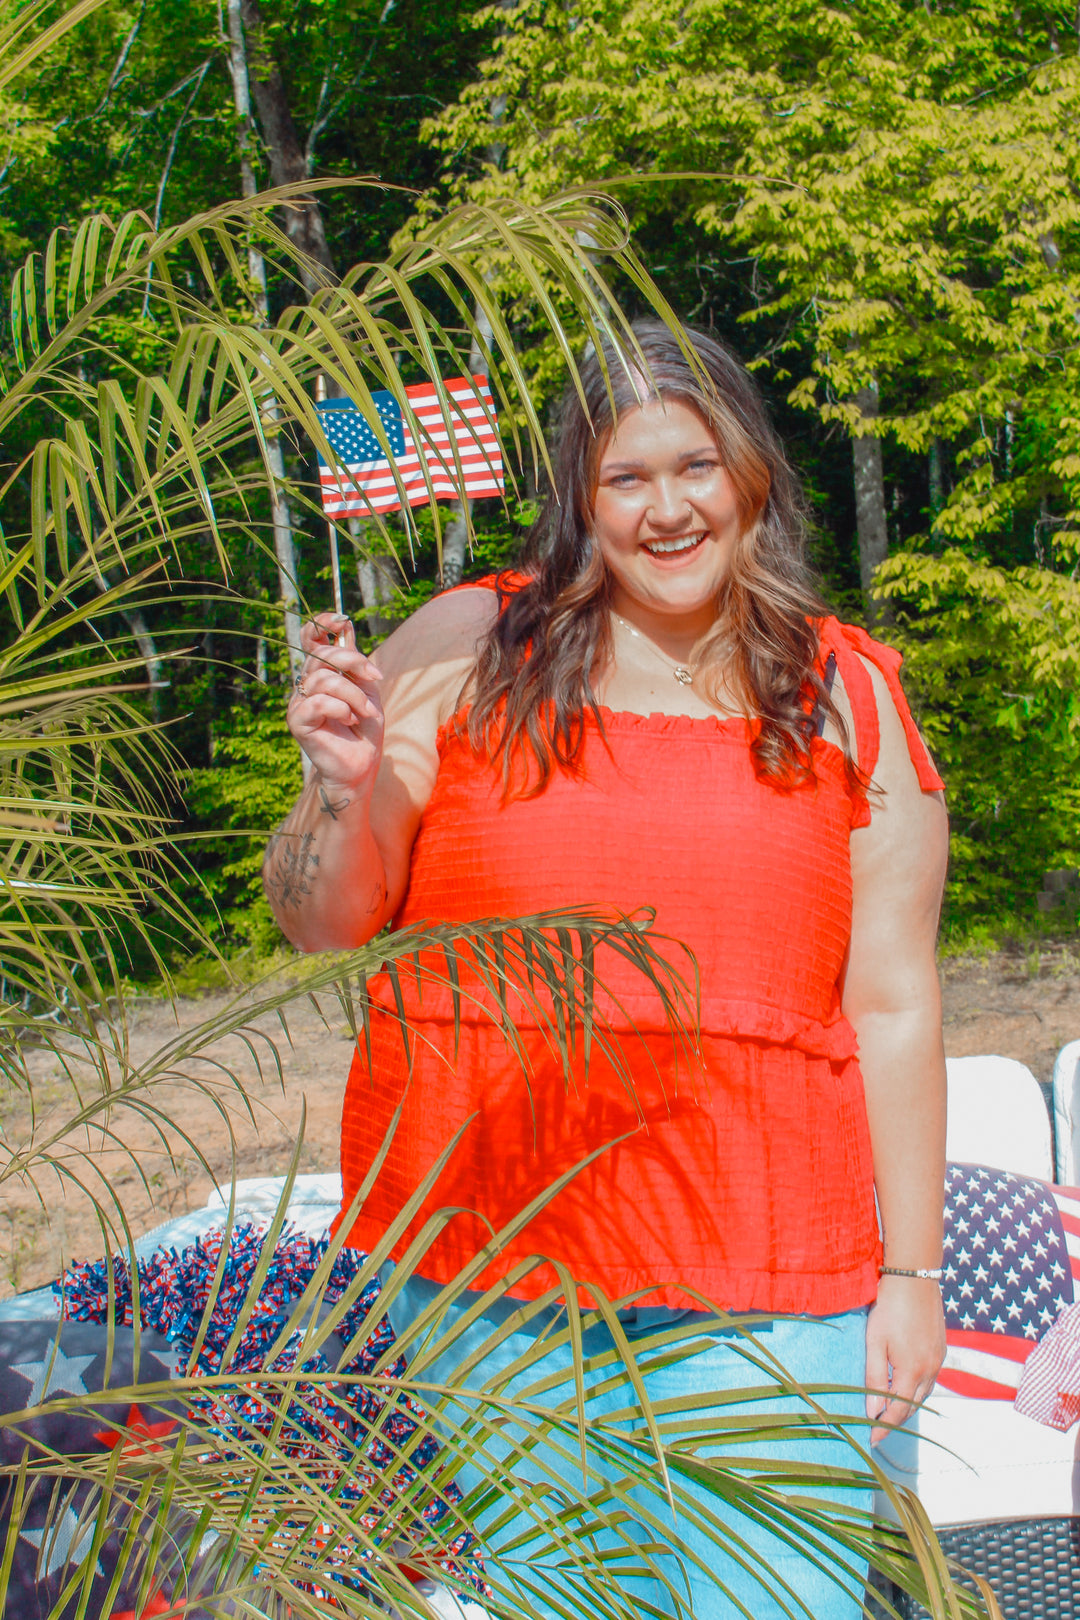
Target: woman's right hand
(335, 713)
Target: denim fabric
(812, 1350)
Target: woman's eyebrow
(636, 466)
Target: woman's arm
(337, 868)
(891, 995)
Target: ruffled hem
(779, 1293)
(636, 1014)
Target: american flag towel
(364, 481)
(1012, 1266)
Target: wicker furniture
(1032, 1565)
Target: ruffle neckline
(738, 727)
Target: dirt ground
(1016, 1004)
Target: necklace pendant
(682, 675)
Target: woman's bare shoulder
(428, 658)
(446, 629)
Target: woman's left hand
(905, 1347)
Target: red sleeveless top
(744, 1177)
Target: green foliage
(903, 179)
(993, 666)
(248, 790)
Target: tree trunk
(144, 640)
(870, 516)
(281, 519)
(378, 581)
(937, 481)
(455, 540)
(303, 217)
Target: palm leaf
(126, 466)
(23, 42)
(283, 1523)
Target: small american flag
(1012, 1265)
(365, 483)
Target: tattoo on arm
(291, 865)
(327, 806)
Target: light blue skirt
(760, 1575)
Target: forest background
(876, 205)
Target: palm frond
(284, 1513)
(133, 452)
(25, 38)
(544, 967)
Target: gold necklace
(683, 675)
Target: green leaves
(902, 179)
(25, 36)
(992, 661)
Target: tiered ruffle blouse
(742, 1176)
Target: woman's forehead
(659, 422)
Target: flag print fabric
(1011, 1268)
(42, 1360)
(365, 480)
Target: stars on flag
(137, 1438)
(62, 1544)
(1012, 1251)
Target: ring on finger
(298, 683)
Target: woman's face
(665, 514)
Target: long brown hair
(535, 671)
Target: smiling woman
(658, 711)
(666, 518)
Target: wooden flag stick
(335, 560)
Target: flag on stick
(365, 483)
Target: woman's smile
(675, 548)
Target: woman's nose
(668, 508)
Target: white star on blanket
(61, 1547)
(61, 1372)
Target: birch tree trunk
(143, 637)
(377, 578)
(870, 516)
(456, 534)
(281, 519)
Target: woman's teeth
(661, 548)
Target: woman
(658, 712)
